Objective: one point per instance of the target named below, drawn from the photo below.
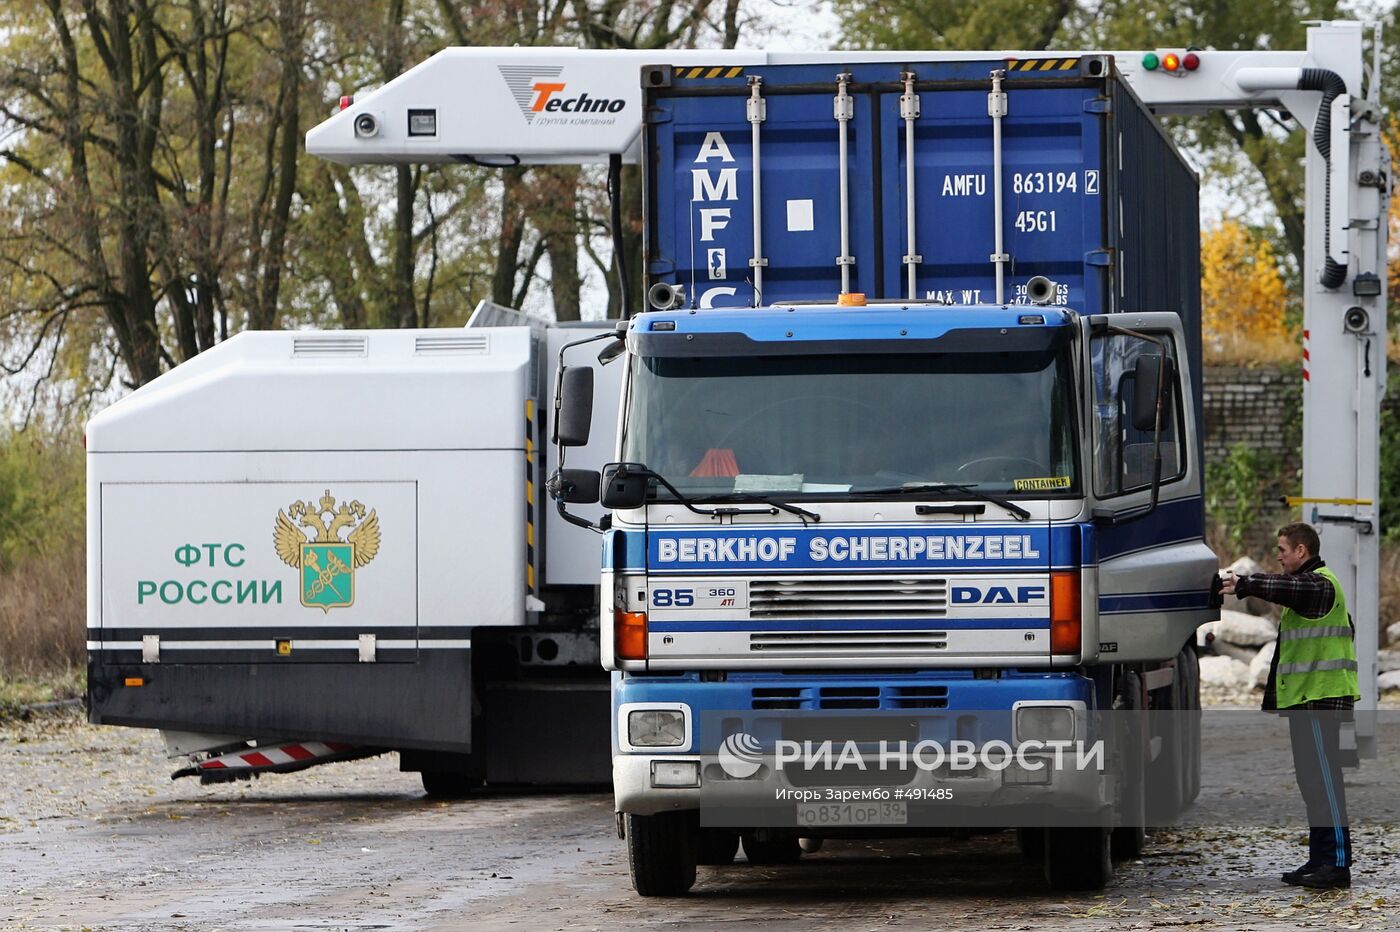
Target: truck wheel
(1166, 776)
(1077, 858)
(662, 851)
(718, 846)
(1192, 688)
(1130, 832)
(1031, 841)
(781, 850)
(448, 784)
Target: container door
(1052, 196)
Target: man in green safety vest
(1312, 682)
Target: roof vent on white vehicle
(320, 345)
(451, 344)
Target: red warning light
(1191, 61)
(346, 101)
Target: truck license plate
(816, 815)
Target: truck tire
(1192, 688)
(1078, 858)
(781, 850)
(1130, 828)
(718, 846)
(448, 784)
(1166, 775)
(662, 851)
(1031, 841)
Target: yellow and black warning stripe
(1041, 64)
(530, 496)
(709, 71)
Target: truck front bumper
(884, 747)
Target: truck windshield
(827, 426)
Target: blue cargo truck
(909, 456)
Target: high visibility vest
(1316, 656)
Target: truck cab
(888, 526)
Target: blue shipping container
(1095, 197)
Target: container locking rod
(909, 112)
(757, 113)
(996, 109)
(843, 109)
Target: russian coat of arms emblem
(309, 539)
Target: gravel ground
(94, 834)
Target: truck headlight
(656, 728)
(1050, 722)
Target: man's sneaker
(1326, 877)
(1291, 877)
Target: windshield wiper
(772, 500)
(691, 502)
(946, 490)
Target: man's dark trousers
(1317, 764)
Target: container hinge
(1098, 105)
(150, 648)
(368, 648)
(655, 116)
(1103, 258)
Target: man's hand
(1227, 582)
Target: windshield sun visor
(962, 340)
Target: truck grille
(849, 597)
(849, 643)
(889, 696)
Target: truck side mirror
(573, 406)
(577, 486)
(1145, 375)
(624, 485)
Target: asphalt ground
(95, 835)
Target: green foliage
(952, 24)
(41, 496)
(1236, 488)
(18, 691)
(1390, 458)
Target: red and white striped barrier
(274, 758)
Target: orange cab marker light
(630, 635)
(850, 299)
(134, 681)
(1065, 619)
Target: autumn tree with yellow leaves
(1243, 297)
